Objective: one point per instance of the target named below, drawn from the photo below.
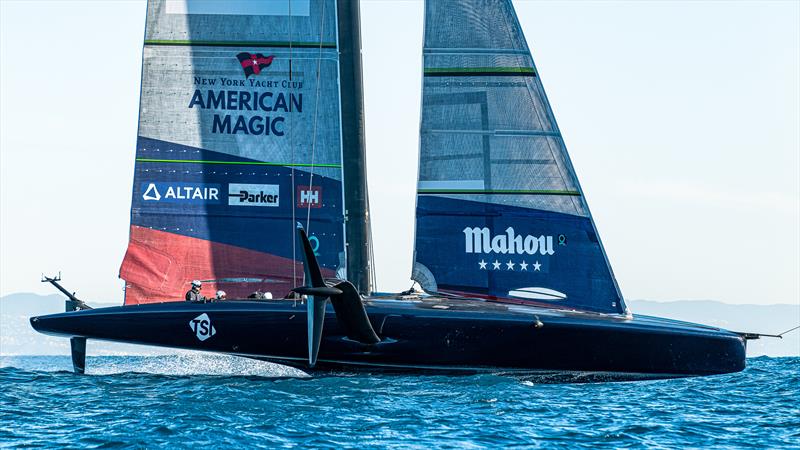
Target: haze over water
(210, 400)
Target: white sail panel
(246, 8)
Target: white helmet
(196, 283)
(221, 294)
(268, 295)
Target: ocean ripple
(199, 400)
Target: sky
(682, 120)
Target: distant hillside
(18, 338)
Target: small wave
(196, 364)
(210, 400)
(183, 364)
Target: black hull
(424, 335)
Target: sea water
(209, 401)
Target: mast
(354, 163)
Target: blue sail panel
(513, 254)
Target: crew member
(258, 295)
(221, 295)
(193, 295)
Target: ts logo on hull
(201, 327)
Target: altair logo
(480, 240)
(175, 192)
(151, 193)
(202, 328)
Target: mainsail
(239, 138)
(500, 212)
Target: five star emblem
(523, 266)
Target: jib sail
(239, 138)
(500, 213)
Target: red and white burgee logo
(253, 63)
(309, 196)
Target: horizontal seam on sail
(244, 163)
(498, 191)
(477, 51)
(278, 44)
(498, 132)
(480, 72)
(456, 156)
(523, 161)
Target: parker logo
(253, 195)
(253, 63)
(309, 196)
(180, 192)
(480, 240)
(202, 328)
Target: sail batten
(423, 191)
(238, 163)
(259, 44)
(500, 212)
(499, 132)
(474, 51)
(479, 71)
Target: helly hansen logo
(253, 63)
(253, 195)
(309, 196)
(202, 328)
(480, 240)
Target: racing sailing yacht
(250, 176)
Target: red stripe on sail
(159, 267)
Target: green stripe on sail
(498, 192)
(278, 44)
(241, 163)
(479, 71)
